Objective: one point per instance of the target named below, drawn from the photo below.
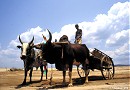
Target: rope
(62, 54)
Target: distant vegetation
(15, 69)
(121, 65)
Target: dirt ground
(10, 80)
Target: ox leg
(31, 70)
(25, 75)
(86, 70)
(64, 81)
(70, 76)
(41, 68)
(86, 75)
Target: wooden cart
(100, 61)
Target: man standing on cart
(78, 35)
(78, 40)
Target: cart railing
(99, 54)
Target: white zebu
(30, 59)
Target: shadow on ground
(45, 84)
(76, 82)
(27, 84)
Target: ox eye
(28, 50)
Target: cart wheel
(80, 71)
(107, 68)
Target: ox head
(48, 45)
(48, 49)
(44, 45)
(25, 48)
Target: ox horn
(20, 40)
(31, 41)
(50, 36)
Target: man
(78, 36)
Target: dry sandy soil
(10, 80)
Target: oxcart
(100, 61)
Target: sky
(105, 25)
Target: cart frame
(100, 61)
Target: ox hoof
(64, 84)
(30, 82)
(24, 83)
(44, 80)
(70, 85)
(86, 82)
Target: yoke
(61, 43)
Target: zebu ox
(28, 55)
(63, 55)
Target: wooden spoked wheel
(81, 71)
(107, 68)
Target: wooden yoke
(62, 44)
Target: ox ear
(32, 45)
(19, 46)
(38, 46)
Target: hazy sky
(105, 25)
